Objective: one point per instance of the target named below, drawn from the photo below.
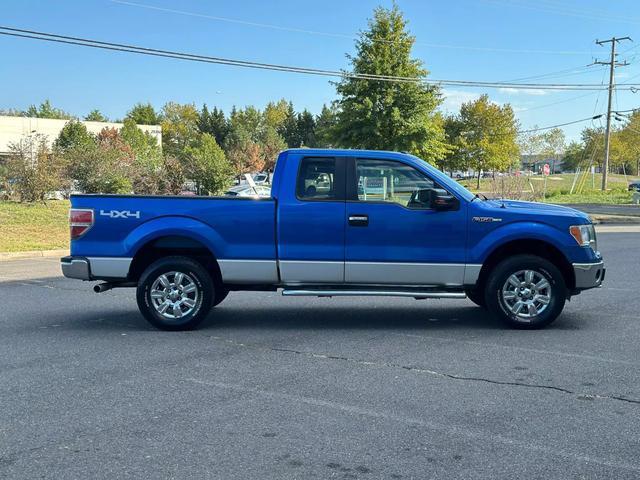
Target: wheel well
(539, 248)
(171, 246)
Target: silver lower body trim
(109, 267)
(588, 275)
(395, 273)
(371, 293)
(471, 273)
(305, 272)
(249, 271)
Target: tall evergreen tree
(325, 127)
(214, 123)
(389, 115)
(305, 129)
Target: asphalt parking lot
(304, 388)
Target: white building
(12, 129)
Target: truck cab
(338, 222)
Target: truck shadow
(392, 318)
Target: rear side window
(317, 179)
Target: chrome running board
(418, 295)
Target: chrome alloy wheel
(526, 293)
(174, 295)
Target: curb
(5, 256)
(598, 219)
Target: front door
(392, 239)
(311, 221)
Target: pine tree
(389, 115)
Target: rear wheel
(175, 293)
(526, 291)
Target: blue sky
(492, 40)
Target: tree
(289, 128)
(46, 110)
(629, 138)
(455, 159)
(144, 114)
(271, 143)
(208, 166)
(179, 128)
(95, 116)
(573, 156)
(253, 140)
(389, 115)
(214, 123)
(325, 127)
(147, 162)
(276, 114)
(306, 124)
(107, 166)
(32, 170)
(553, 145)
(73, 134)
(486, 136)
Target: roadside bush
(100, 168)
(33, 171)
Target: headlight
(585, 235)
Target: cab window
(316, 179)
(393, 182)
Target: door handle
(359, 220)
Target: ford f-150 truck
(338, 222)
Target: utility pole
(612, 65)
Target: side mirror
(442, 200)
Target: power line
(537, 129)
(77, 41)
(338, 35)
(559, 10)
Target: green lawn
(587, 188)
(34, 226)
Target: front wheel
(526, 291)
(175, 293)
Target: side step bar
(418, 295)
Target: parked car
(249, 191)
(261, 178)
(634, 186)
(418, 234)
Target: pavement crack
(421, 370)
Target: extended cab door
(393, 239)
(311, 220)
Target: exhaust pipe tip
(102, 287)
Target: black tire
(476, 295)
(198, 279)
(499, 306)
(221, 294)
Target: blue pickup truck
(338, 222)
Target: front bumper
(588, 275)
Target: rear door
(311, 220)
(390, 239)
